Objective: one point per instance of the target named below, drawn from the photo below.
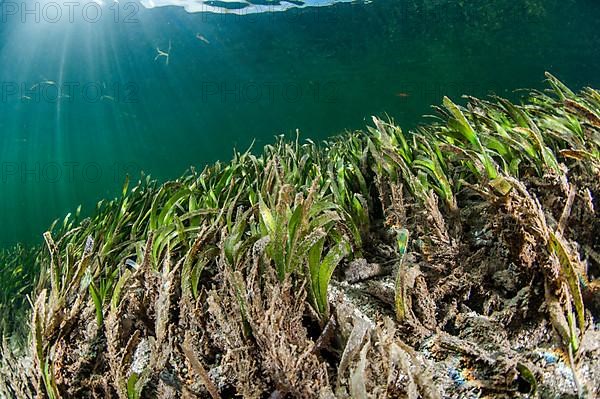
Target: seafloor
(460, 260)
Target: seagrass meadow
(457, 260)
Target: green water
(235, 79)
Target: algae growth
(457, 260)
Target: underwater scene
(299, 199)
(86, 101)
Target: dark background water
(320, 70)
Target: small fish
(161, 53)
(202, 38)
(107, 98)
(25, 98)
(402, 94)
(45, 82)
